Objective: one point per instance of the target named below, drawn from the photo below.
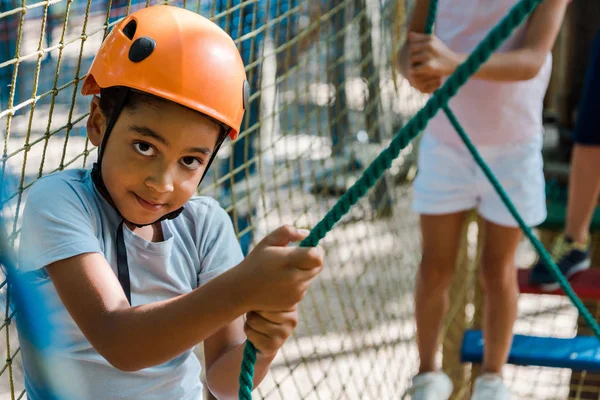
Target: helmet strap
(213, 155)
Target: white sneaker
(431, 386)
(490, 387)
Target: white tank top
(492, 113)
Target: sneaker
(570, 257)
(490, 387)
(431, 386)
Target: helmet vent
(141, 48)
(129, 29)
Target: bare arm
(128, 336)
(429, 56)
(272, 277)
(223, 353)
(526, 62)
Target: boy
(135, 270)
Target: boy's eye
(144, 148)
(191, 162)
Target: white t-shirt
(65, 216)
(492, 113)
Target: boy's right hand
(277, 276)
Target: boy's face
(154, 158)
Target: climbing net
(322, 110)
(438, 101)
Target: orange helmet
(178, 55)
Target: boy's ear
(96, 123)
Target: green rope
(554, 270)
(431, 14)
(374, 171)
(246, 379)
(543, 253)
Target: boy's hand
(268, 331)
(276, 276)
(429, 61)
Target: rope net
(325, 101)
(321, 109)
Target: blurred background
(326, 98)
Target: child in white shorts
(500, 108)
(450, 181)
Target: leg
(571, 250)
(499, 282)
(441, 237)
(584, 23)
(584, 179)
(584, 190)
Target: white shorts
(448, 181)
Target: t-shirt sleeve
(220, 249)
(57, 224)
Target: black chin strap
(122, 265)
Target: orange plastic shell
(194, 63)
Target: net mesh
(321, 108)
(325, 100)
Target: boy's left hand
(429, 56)
(268, 331)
